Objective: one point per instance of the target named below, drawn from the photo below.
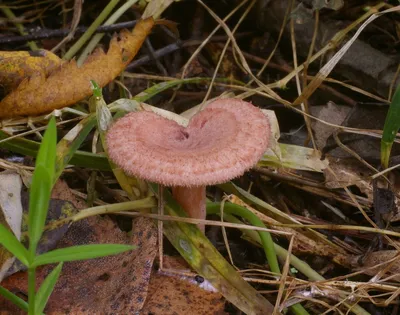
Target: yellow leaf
(17, 65)
(43, 92)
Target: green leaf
(392, 125)
(39, 199)
(97, 92)
(42, 183)
(47, 151)
(45, 290)
(266, 239)
(11, 243)
(80, 253)
(14, 299)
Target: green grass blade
(392, 125)
(89, 32)
(80, 253)
(265, 237)
(42, 183)
(14, 299)
(30, 148)
(47, 151)
(273, 212)
(12, 244)
(97, 91)
(46, 288)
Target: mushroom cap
(220, 142)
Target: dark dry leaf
(115, 284)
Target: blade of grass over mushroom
(392, 125)
(197, 250)
(273, 212)
(154, 90)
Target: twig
(8, 13)
(74, 24)
(49, 33)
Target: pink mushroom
(220, 142)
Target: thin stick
(49, 33)
(74, 24)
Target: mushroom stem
(193, 200)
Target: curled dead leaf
(40, 93)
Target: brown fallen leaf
(41, 93)
(346, 173)
(332, 113)
(18, 65)
(109, 285)
(170, 295)
(61, 191)
(384, 260)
